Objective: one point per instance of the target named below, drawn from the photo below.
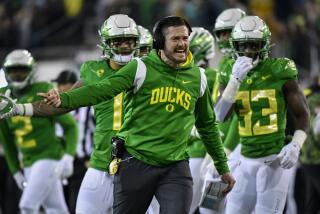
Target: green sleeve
(290, 70)
(83, 74)
(70, 132)
(209, 132)
(106, 89)
(225, 70)
(231, 139)
(9, 146)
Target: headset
(158, 37)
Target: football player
(45, 160)
(259, 89)
(119, 43)
(222, 31)
(145, 41)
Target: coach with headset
(167, 94)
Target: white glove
(15, 109)
(289, 155)
(20, 180)
(241, 67)
(64, 168)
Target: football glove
(64, 168)
(290, 153)
(9, 107)
(241, 67)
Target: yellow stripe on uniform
(117, 111)
(215, 89)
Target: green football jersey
(229, 128)
(261, 107)
(164, 103)
(34, 137)
(310, 153)
(108, 114)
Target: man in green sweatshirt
(167, 94)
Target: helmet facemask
(145, 41)
(119, 38)
(251, 37)
(120, 49)
(222, 39)
(19, 69)
(223, 28)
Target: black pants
(9, 191)
(312, 189)
(136, 183)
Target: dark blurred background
(68, 29)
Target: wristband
(299, 137)
(230, 92)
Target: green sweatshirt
(163, 105)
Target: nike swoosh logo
(185, 82)
(265, 77)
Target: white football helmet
(145, 42)
(114, 31)
(19, 68)
(224, 23)
(251, 37)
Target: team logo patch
(249, 81)
(186, 82)
(170, 108)
(100, 72)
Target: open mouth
(180, 51)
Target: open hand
(51, 98)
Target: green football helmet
(19, 68)
(145, 42)
(118, 29)
(224, 24)
(251, 37)
(201, 45)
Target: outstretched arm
(37, 109)
(42, 108)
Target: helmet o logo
(169, 108)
